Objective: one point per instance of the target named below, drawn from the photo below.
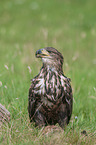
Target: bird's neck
(52, 68)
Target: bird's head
(50, 57)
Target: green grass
(69, 26)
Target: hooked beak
(41, 53)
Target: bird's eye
(49, 51)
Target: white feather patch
(41, 85)
(62, 80)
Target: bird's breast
(50, 85)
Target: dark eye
(49, 51)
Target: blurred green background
(70, 27)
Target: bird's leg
(63, 122)
(39, 119)
(62, 116)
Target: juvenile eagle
(50, 93)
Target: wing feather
(31, 102)
(68, 96)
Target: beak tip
(38, 52)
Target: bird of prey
(50, 95)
